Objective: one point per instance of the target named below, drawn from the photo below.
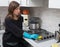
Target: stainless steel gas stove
(46, 35)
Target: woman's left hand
(34, 36)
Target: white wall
(50, 18)
(3, 13)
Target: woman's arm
(13, 28)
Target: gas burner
(45, 34)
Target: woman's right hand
(26, 35)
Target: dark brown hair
(12, 6)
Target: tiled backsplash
(1, 24)
(50, 17)
(3, 12)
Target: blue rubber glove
(26, 35)
(34, 36)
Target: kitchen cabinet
(14, 0)
(6, 2)
(32, 3)
(37, 3)
(3, 2)
(54, 4)
(24, 3)
(21, 2)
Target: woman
(13, 36)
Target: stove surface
(45, 34)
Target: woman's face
(17, 11)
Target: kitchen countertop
(34, 43)
(47, 43)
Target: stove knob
(47, 37)
(52, 35)
(44, 37)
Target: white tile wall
(3, 13)
(50, 18)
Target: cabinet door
(3, 2)
(54, 4)
(35, 3)
(23, 2)
(32, 3)
(15, 0)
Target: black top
(13, 30)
